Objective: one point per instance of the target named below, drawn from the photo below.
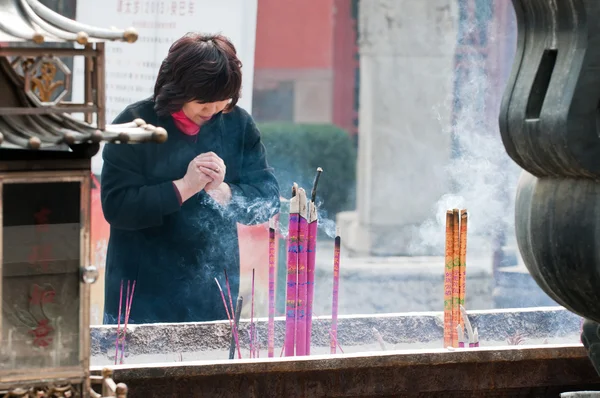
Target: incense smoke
(481, 176)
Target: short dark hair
(198, 67)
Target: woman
(173, 207)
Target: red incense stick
(119, 323)
(252, 320)
(233, 329)
(271, 330)
(302, 276)
(292, 277)
(336, 284)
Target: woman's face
(202, 112)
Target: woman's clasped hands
(205, 172)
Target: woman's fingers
(209, 165)
(210, 172)
(210, 157)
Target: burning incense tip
(219, 285)
(272, 223)
(337, 231)
(313, 194)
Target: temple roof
(56, 130)
(30, 20)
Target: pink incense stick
(128, 302)
(252, 320)
(292, 277)
(302, 276)
(119, 323)
(311, 249)
(335, 341)
(336, 284)
(233, 330)
(235, 325)
(310, 271)
(257, 344)
(271, 330)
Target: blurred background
(398, 102)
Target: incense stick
(119, 323)
(238, 313)
(292, 277)
(313, 194)
(335, 341)
(252, 319)
(128, 302)
(235, 324)
(310, 270)
(302, 275)
(449, 258)
(311, 258)
(463, 258)
(257, 342)
(271, 330)
(224, 301)
(336, 283)
(233, 331)
(455, 276)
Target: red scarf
(185, 124)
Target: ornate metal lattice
(50, 391)
(47, 80)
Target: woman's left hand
(214, 167)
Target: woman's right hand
(193, 182)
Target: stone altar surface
(209, 341)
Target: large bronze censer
(45, 177)
(550, 125)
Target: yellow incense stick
(455, 276)
(449, 263)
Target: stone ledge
(503, 372)
(211, 340)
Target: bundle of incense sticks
(122, 333)
(454, 275)
(302, 240)
(231, 316)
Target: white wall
(131, 68)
